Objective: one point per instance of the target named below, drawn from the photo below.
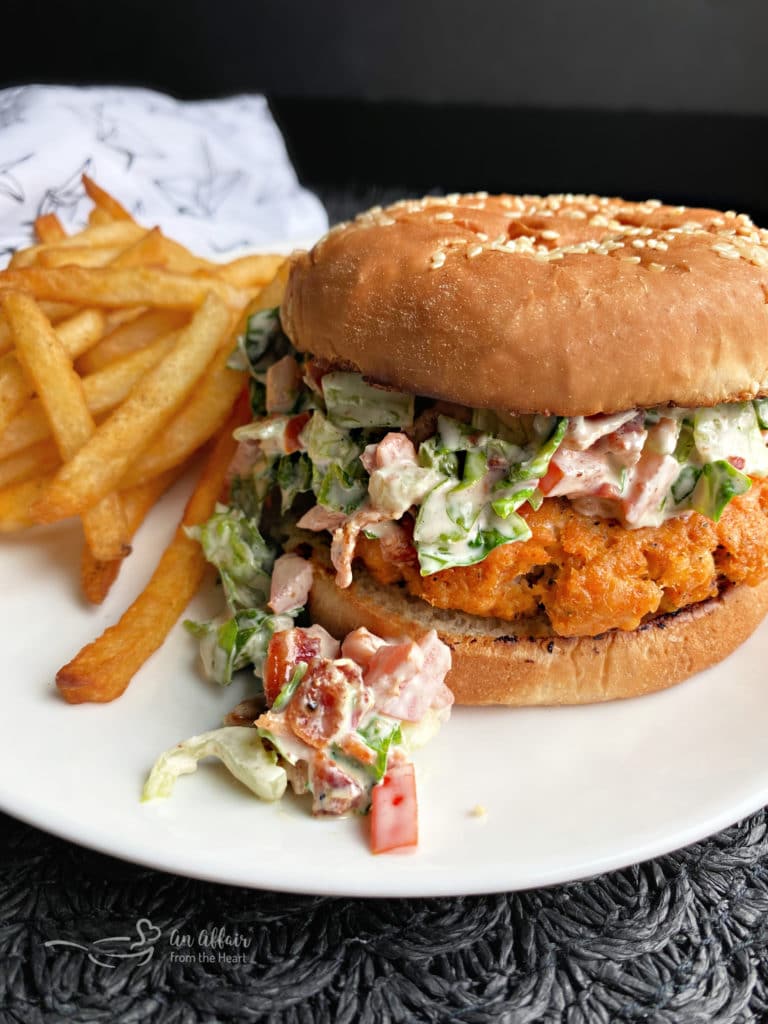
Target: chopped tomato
(293, 428)
(394, 813)
(552, 477)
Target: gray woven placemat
(681, 939)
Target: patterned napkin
(213, 174)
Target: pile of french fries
(114, 344)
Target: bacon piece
(584, 472)
(247, 454)
(293, 429)
(318, 710)
(246, 712)
(361, 645)
(329, 645)
(291, 583)
(626, 444)
(345, 541)
(394, 448)
(283, 383)
(368, 457)
(651, 479)
(583, 431)
(396, 542)
(334, 791)
(286, 649)
(320, 518)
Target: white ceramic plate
(568, 792)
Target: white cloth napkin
(213, 174)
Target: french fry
(180, 260)
(16, 501)
(103, 669)
(96, 577)
(130, 337)
(49, 366)
(15, 389)
(97, 217)
(34, 461)
(104, 201)
(134, 286)
(49, 228)
(75, 334)
(199, 419)
(58, 311)
(103, 390)
(251, 271)
(110, 234)
(79, 256)
(147, 251)
(101, 463)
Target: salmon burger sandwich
(535, 425)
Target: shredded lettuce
(261, 332)
(326, 444)
(294, 477)
(230, 644)
(232, 542)
(351, 402)
(381, 733)
(242, 752)
(339, 480)
(727, 430)
(486, 478)
(717, 485)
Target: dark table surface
(680, 939)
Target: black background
(666, 98)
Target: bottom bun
(526, 663)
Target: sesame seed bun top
(563, 304)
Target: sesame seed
(728, 252)
(474, 250)
(481, 236)
(444, 215)
(385, 221)
(452, 198)
(638, 243)
(657, 268)
(438, 259)
(730, 213)
(629, 259)
(549, 234)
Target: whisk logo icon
(115, 950)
